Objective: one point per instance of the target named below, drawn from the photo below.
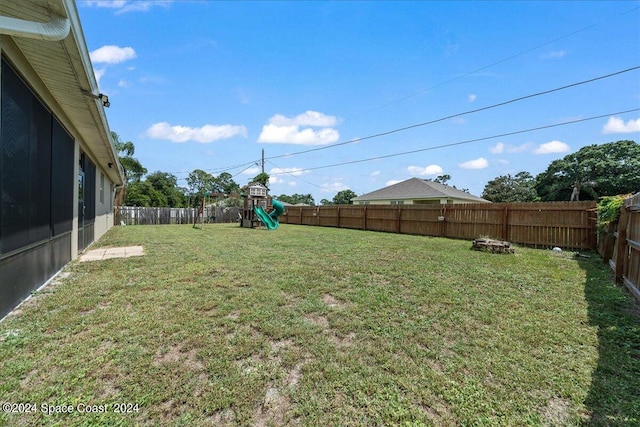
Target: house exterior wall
(104, 204)
(24, 267)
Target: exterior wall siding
(27, 267)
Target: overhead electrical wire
(380, 134)
(500, 61)
(226, 169)
(284, 171)
(500, 104)
(469, 141)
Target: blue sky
(209, 84)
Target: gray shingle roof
(416, 188)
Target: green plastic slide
(270, 220)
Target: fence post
(621, 254)
(364, 218)
(505, 223)
(338, 213)
(398, 222)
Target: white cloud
(251, 171)
(471, 98)
(552, 147)
(112, 54)
(308, 118)
(205, 134)
(123, 83)
(276, 180)
(501, 147)
(617, 125)
(113, 4)
(99, 72)
(428, 170)
(333, 187)
(393, 181)
(480, 163)
(375, 173)
(298, 129)
(286, 171)
(497, 149)
(124, 6)
(555, 54)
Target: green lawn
(315, 326)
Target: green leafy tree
(325, 202)
(167, 185)
(442, 179)
(225, 184)
(591, 172)
(510, 189)
(133, 169)
(137, 195)
(294, 199)
(262, 178)
(199, 182)
(344, 197)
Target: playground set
(257, 204)
(259, 208)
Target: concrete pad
(134, 251)
(110, 253)
(117, 252)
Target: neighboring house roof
(419, 189)
(65, 69)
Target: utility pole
(263, 160)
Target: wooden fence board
(134, 215)
(569, 225)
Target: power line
(477, 70)
(222, 169)
(468, 141)
(488, 66)
(284, 171)
(500, 104)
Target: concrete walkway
(108, 253)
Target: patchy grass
(321, 326)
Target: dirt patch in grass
(556, 413)
(320, 321)
(344, 341)
(174, 354)
(438, 413)
(222, 418)
(275, 409)
(333, 302)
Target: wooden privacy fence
(133, 215)
(570, 225)
(625, 257)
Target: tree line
(592, 172)
(588, 174)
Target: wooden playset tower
(254, 194)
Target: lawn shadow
(614, 395)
